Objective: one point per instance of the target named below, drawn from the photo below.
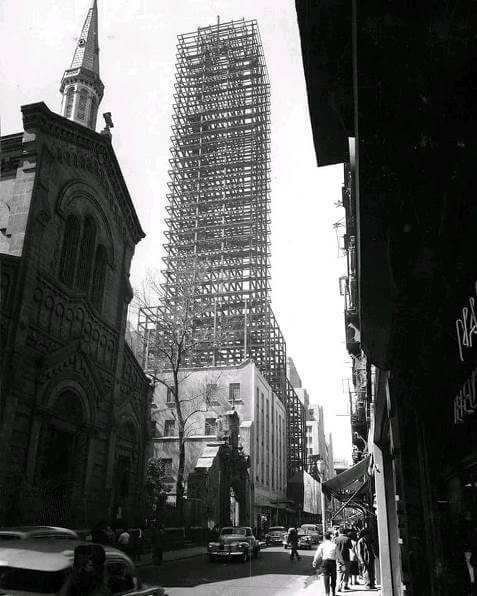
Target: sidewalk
(361, 591)
(174, 555)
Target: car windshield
(32, 580)
(235, 531)
(277, 529)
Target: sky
(137, 64)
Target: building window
(69, 250)
(211, 394)
(69, 101)
(169, 396)
(99, 275)
(92, 113)
(86, 254)
(234, 392)
(210, 426)
(83, 98)
(169, 428)
(166, 465)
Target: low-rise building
(207, 393)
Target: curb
(182, 557)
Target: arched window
(69, 102)
(99, 274)
(69, 249)
(85, 262)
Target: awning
(350, 482)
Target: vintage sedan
(304, 541)
(44, 567)
(234, 543)
(313, 531)
(275, 535)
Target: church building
(74, 402)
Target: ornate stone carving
(94, 150)
(74, 362)
(62, 318)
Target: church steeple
(81, 85)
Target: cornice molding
(37, 117)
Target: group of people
(131, 541)
(128, 541)
(342, 557)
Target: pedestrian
(214, 533)
(353, 560)
(344, 545)
(99, 533)
(124, 541)
(158, 543)
(326, 557)
(367, 558)
(293, 542)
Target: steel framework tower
(219, 196)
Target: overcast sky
(138, 45)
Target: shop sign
(465, 402)
(466, 326)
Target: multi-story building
(206, 395)
(413, 166)
(219, 211)
(316, 446)
(75, 416)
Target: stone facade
(74, 401)
(219, 490)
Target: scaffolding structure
(296, 436)
(219, 198)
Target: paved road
(272, 574)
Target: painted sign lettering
(466, 326)
(465, 402)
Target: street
(271, 574)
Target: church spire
(81, 85)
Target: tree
(155, 486)
(178, 333)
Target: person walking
(344, 546)
(293, 541)
(367, 558)
(158, 543)
(353, 560)
(325, 559)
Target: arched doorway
(61, 463)
(126, 474)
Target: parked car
(234, 542)
(313, 531)
(33, 567)
(275, 535)
(30, 532)
(305, 541)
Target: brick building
(74, 401)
